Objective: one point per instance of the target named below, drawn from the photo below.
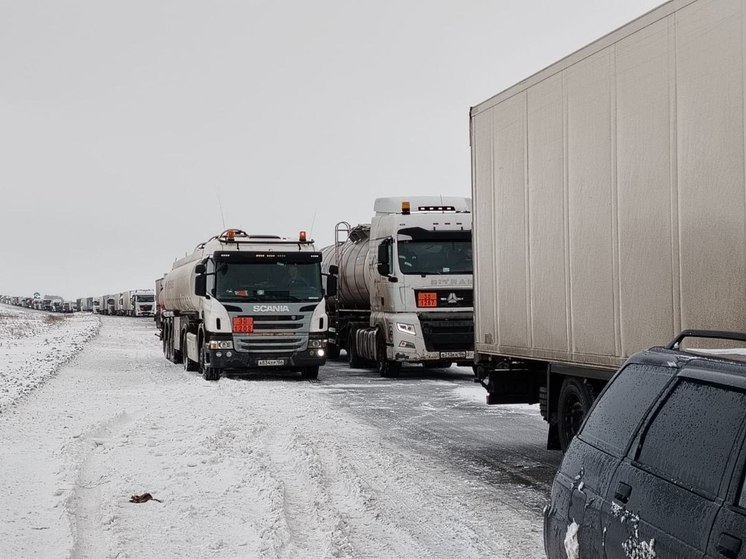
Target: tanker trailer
(400, 289)
(244, 303)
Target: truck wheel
(208, 373)
(386, 368)
(310, 373)
(575, 401)
(355, 361)
(211, 373)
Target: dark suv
(657, 469)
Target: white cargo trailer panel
(609, 197)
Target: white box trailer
(609, 207)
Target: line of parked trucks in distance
(139, 302)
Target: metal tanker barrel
(178, 287)
(350, 257)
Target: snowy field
(240, 468)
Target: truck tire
(310, 373)
(354, 360)
(207, 372)
(211, 373)
(575, 401)
(385, 367)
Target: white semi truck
(399, 290)
(609, 215)
(139, 302)
(244, 302)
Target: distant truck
(244, 302)
(139, 302)
(609, 207)
(400, 289)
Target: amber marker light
(405, 208)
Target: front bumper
(237, 360)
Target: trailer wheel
(355, 361)
(575, 401)
(310, 373)
(386, 368)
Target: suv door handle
(728, 546)
(622, 492)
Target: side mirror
(333, 270)
(383, 259)
(200, 269)
(331, 285)
(200, 285)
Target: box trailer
(609, 207)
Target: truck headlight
(316, 343)
(220, 344)
(406, 328)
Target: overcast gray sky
(125, 125)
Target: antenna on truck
(220, 205)
(313, 222)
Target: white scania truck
(610, 210)
(400, 289)
(244, 302)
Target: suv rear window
(692, 434)
(622, 405)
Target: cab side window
(692, 435)
(621, 408)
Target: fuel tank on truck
(354, 276)
(178, 286)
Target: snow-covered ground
(242, 468)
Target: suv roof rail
(718, 334)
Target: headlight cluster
(220, 344)
(316, 343)
(406, 328)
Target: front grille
(448, 331)
(276, 334)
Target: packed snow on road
(92, 415)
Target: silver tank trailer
(178, 286)
(353, 279)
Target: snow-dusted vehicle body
(400, 289)
(241, 302)
(609, 207)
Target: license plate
(452, 354)
(270, 362)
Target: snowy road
(350, 466)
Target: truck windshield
(275, 281)
(144, 298)
(435, 257)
